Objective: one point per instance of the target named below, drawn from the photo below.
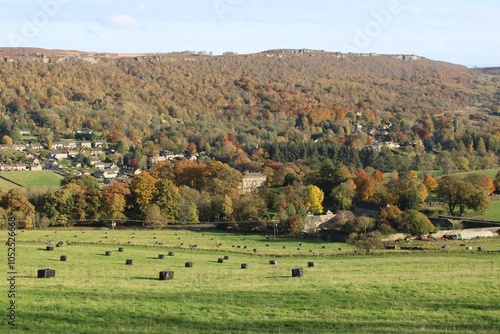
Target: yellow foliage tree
(314, 199)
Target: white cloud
(123, 21)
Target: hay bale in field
(297, 272)
(46, 273)
(166, 275)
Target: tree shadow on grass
(281, 277)
(145, 278)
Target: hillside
(165, 101)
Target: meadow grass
(6, 185)
(434, 292)
(493, 212)
(29, 179)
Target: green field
(493, 212)
(44, 179)
(425, 292)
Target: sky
(465, 32)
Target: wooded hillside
(281, 95)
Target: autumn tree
(314, 199)
(114, 200)
(224, 180)
(167, 198)
(227, 207)
(365, 186)
(389, 216)
(154, 218)
(378, 176)
(17, 206)
(142, 191)
(430, 182)
(190, 173)
(497, 181)
(296, 225)
(483, 182)
(86, 182)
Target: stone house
(252, 182)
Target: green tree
(343, 195)
(414, 223)
(86, 182)
(408, 192)
(362, 234)
(331, 174)
(188, 205)
(458, 192)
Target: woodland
(323, 127)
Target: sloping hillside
(174, 99)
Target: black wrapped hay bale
(108, 253)
(297, 272)
(170, 253)
(226, 257)
(49, 248)
(161, 256)
(188, 265)
(128, 262)
(273, 262)
(46, 273)
(63, 258)
(310, 264)
(244, 266)
(480, 248)
(220, 260)
(166, 275)
(120, 249)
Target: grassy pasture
(431, 292)
(6, 185)
(493, 212)
(43, 179)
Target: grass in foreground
(384, 293)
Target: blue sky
(459, 31)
